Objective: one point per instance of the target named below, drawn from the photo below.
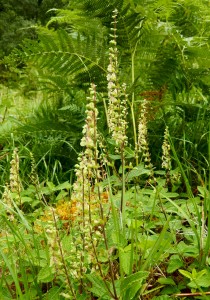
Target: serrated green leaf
(186, 273)
(203, 281)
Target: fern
(79, 52)
(163, 48)
(60, 54)
(76, 23)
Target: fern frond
(76, 23)
(60, 54)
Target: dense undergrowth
(122, 231)
(132, 220)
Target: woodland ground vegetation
(105, 149)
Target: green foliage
(154, 38)
(122, 229)
(15, 23)
(51, 131)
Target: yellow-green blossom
(166, 157)
(117, 97)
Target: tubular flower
(87, 218)
(7, 199)
(117, 96)
(166, 157)
(34, 176)
(143, 146)
(14, 184)
(87, 167)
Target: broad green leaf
(164, 280)
(45, 274)
(170, 289)
(129, 153)
(53, 294)
(131, 292)
(45, 190)
(174, 264)
(136, 172)
(31, 294)
(66, 296)
(63, 186)
(35, 203)
(112, 180)
(132, 279)
(65, 107)
(132, 223)
(125, 261)
(165, 194)
(187, 250)
(114, 156)
(5, 295)
(26, 199)
(50, 185)
(111, 141)
(159, 247)
(61, 195)
(203, 191)
(98, 286)
(118, 238)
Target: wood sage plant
(117, 106)
(143, 146)
(166, 156)
(88, 227)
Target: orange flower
(67, 210)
